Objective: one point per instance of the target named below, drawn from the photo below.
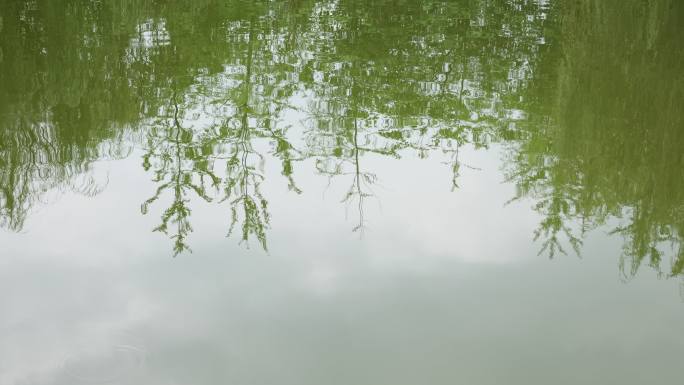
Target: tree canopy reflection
(591, 124)
(605, 137)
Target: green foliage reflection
(583, 95)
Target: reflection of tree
(338, 164)
(609, 144)
(242, 186)
(242, 105)
(155, 75)
(385, 85)
(375, 85)
(243, 177)
(63, 100)
(592, 137)
(178, 168)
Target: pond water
(341, 192)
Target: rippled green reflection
(585, 97)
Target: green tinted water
(386, 192)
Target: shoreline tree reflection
(591, 124)
(605, 137)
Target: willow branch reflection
(608, 143)
(230, 112)
(206, 88)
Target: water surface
(341, 192)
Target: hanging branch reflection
(179, 167)
(608, 146)
(589, 145)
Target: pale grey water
(423, 297)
